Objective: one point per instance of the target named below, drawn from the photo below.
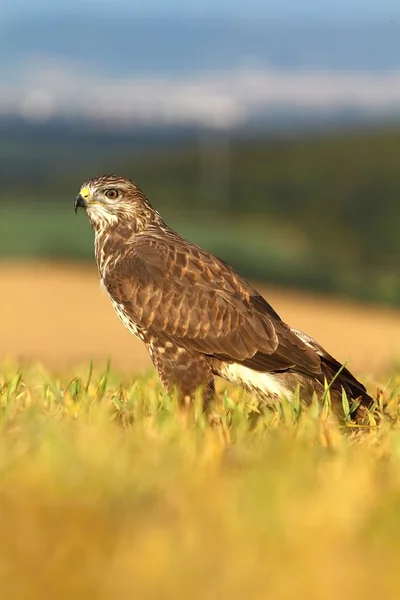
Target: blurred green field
(107, 492)
(263, 250)
(317, 212)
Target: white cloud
(47, 88)
(37, 105)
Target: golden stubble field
(59, 315)
(108, 492)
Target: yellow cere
(85, 193)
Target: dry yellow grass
(106, 493)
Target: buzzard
(197, 317)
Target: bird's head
(114, 201)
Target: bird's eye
(111, 194)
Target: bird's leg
(188, 391)
(184, 373)
(187, 399)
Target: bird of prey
(197, 317)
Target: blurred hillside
(120, 66)
(318, 211)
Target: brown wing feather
(184, 293)
(330, 367)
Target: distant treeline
(320, 211)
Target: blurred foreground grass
(106, 493)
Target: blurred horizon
(215, 67)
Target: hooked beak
(80, 202)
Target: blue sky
(354, 9)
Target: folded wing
(183, 293)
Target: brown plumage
(197, 317)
